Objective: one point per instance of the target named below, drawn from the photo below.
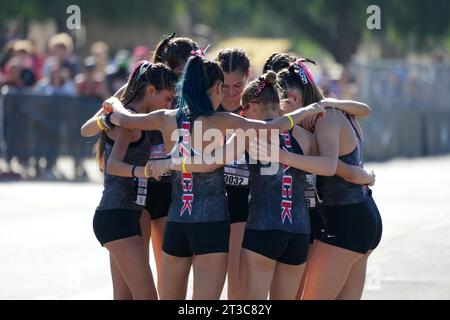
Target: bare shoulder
(222, 120)
(302, 133)
(224, 116)
(331, 117)
(334, 114)
(304, 138)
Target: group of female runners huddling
(301, 229)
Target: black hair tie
(108, 122)
(173, 35)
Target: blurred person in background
(18, 66)
(12, 78)
(58, 83)
(25, 51)
(140, 53)
(61, 52)
(6, 54)
(91, 83)
(100, 52)
(117, 72)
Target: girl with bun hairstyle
(276, 238)
(352, 223)
(197, 231)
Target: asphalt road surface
(48, 249)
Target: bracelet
(183, 165)
(105, 125)
(100, 124)
(132, 171)
(145, 172)
(292, 122)
(107, 121)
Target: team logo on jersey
(286, 207)
(187, 178)
(287, 184)
(185, 145)
(187, 204)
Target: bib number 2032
(234, 180)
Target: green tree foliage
(336, 25)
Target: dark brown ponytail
(159, 52)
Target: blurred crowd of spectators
(60, 71)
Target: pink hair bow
(200, 53)
(305, 74)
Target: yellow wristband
(100, 124)
(292, 121)
(145, 172)
(183, 165)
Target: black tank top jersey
(236, 173)
(335, 191)
(120, 192)
(156, 151)
(277, 202)
(196, 197)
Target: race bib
(310, 191)
(141, 191)
(236, 177)
(158, 152)
(236, 173)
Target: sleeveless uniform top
(236, 172)
(277, 202)
(196, 197)
(335, 191)
(119, 192)
(156, 151)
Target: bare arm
(116, 166)
(355, 174)
(320, 165)
(90, 127)
(349, 173)
(283, 123)
(354, 108)
(206, 164)
(310, 161)
(156, 168)
(327, 133)
(125, 119)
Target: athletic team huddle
(304, 231)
